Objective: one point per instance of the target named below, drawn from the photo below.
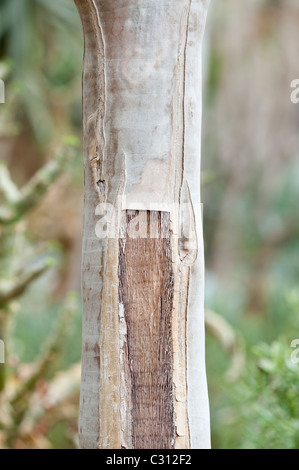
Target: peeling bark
(143, 367)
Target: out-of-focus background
(250, 185)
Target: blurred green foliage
(22, 265)
(251, 224)
(260, 410)
(269, 392)
(42, 40)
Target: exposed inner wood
(146, 297)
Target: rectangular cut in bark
(143, 365)
(146, 297)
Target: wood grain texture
(146, 293)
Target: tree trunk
(143, 366)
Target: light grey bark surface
(142, 121)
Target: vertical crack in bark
(146, 293)
(184, 94)
(101, 74)
(180, 237)
(94, 90)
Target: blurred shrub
(32, 397)
(42, 39)
(260, 409)
(269, 415)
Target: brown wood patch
(146, 294)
